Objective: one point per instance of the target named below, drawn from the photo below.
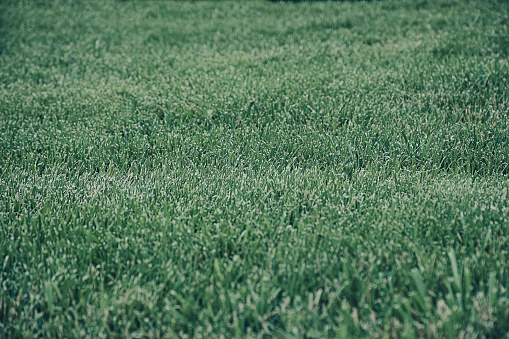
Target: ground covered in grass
(237, 169)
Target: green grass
(243, 169)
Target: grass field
(245, 169)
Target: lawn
(254, 168)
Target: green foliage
(243, 169)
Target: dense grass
(236, 169)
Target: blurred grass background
(244, 169)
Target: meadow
(173, 169)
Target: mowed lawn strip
(241, 169)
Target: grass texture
(254, 169)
